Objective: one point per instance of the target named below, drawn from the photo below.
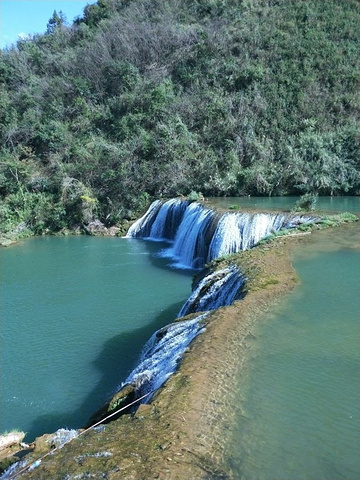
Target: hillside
(142, 99)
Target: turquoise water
(297, 410)
(75, 314)
(328, 204)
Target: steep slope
(141, 99)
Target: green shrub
(306, 203)
(195, 196)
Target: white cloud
(24, 36)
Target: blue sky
(19, 17)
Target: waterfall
(258, 226)
(218, 289)
(162, 353)
(142, 226)
(241, 231)
(192, 240)
(227, 237)
(161, 221)
(168, 219)
(199, 234)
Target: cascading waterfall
(192, 240)
(200, 234)
(168, 220)
(218, 289)
(162, 354)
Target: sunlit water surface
(75, 313)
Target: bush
(306, 203)
(195, 196)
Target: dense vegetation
(149, 98)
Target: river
(77, 310)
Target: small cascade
(162, 353)
(292, 221)
(168, 219)
(258, 226)
(227, 237)
(218, 289)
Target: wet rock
(122, 398)
(10, 446)
(98, 228)
(113, 231)
(54, 440)
(6, 242)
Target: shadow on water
(117, 359)
(157, 259)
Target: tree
(57, 20)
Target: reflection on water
(298, 403)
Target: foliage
(335, 220)
(142, 99)
(306, 203)
(195, 196)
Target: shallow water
(297, 409)
(76, 312)
(328, 204)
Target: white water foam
(202, 235)
(218, 289)
(162, 354)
